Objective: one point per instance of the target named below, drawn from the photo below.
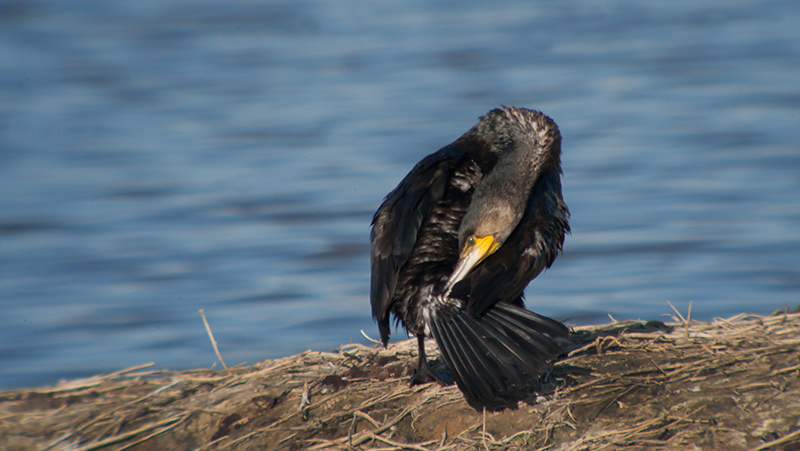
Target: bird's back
(414, 239)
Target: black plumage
(456, 243)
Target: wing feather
(395, 227)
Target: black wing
(531, 247)
(396, 224)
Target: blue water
(158, 157)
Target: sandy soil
(730, 384)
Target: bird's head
(484, 229)
(527, 144)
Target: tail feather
(486, 359)
(510, 339)
(536, 322)
(538, 329)
(495, 357)
(501, 347)
(465, 364)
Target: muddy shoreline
(726, 384)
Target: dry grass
(727, 384)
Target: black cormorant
(455, 245)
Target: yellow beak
(475, 251)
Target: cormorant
(455, 245)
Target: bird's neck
(514, 173)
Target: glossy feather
(492, 345)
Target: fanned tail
(495, 357)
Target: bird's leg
(424, 373)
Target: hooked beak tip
(471, 256)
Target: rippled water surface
(158, 157)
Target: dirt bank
(729, 384)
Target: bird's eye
(471, 241)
